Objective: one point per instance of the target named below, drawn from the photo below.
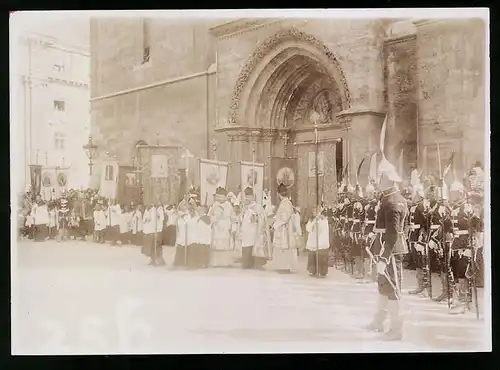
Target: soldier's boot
(396, 321)
(377, 324)
(443, 294)
(426, 292)
(420, 285)
(459, 303)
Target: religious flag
(382, 136)
(449, 165)
(359, 170)
(61, 185)
(424, 161)
(400, 163)
(373, 168)
(109, 179)
(212, 175)
(49, 184)
(252, 175)
(36, 178)
(283, 171)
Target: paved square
(80, 297)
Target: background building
(255, 82)
(51, 85)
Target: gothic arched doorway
(289, 77)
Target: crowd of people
(439, 228)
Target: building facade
(255, 83)
(52, 92)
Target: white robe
(125, 221)
(100, 221)
(187, 228)
(318, 234)
(148, 226)
(220, 215)
(136, 222)
(40, 215)
(113, 215)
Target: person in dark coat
(394, 211)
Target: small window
(110, 173)
(146, 40)
(145, 56)
(59, 139)
(59, 105)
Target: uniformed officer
(357, 242)
(389, 266)
(417, 239)
(370, 216)
(441, 229)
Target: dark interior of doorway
(339, 159)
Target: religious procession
(370, 234)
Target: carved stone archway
(285, 65)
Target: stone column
(361, 129)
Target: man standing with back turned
(389, 267)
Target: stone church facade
(254, 84)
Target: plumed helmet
(387, 169)
(220, 191)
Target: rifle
(427, 256)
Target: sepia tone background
(192, 81)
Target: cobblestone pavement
(80, 297)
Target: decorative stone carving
(263, 49)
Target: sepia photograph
(250, 181)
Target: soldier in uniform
(417, 239)
(461, 248)
(357, 242)
(349, 241)
(369, 219)
(441, 229)
(389, 266)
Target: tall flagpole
(317, 189)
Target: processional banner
(109, 179)
(36, 178)
(54, 182)
(212, 175)
(159, 173)
(283, 171)
(252, 175)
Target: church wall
(402, 89)
(357, 45)
(451, 100)
(177, 112)
(178, 48)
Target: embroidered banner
(312, 164)
(252, 175)
(36, 179)
(212, 175)
(109, 179)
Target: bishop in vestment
(284, 242)
(255, 236)
(221, 254)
